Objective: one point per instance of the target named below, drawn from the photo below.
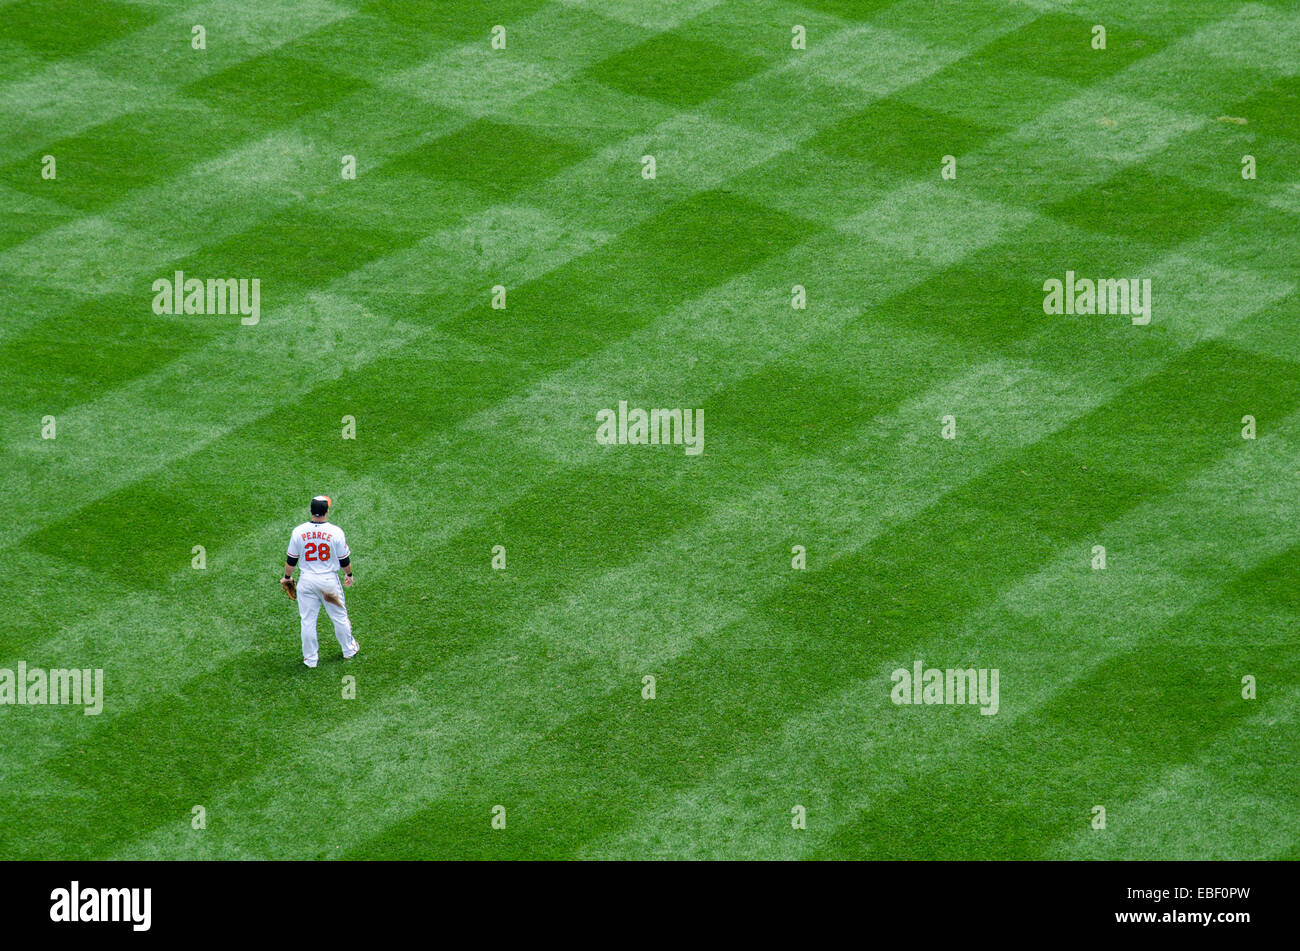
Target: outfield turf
(475, 427)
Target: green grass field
(523, 168)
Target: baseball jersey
(318, 546)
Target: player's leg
(309, 602)
(342, 623)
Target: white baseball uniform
(318, 546)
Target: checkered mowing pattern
(504, 265)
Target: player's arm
(346, 564)
(292, 555)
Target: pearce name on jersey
(318, 546)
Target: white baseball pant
(310, 586)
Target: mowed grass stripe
(993, 301)
(21, 217)
(97, 166)
(246, 187)
(54, 600)
(1159, 703)
(313, 342)
(1116, 123)
(836, 758)
(724, 349)
(1235, 801)
(1112, 138)
(91, 82)
(234, 92)
(784, 660)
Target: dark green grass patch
(975, 302)
(291, 250)
(1273, 110)
(495, 158)
(981, 95)
(275, 87)
(50, 603)
(901, 137)
(1060, 45)
(813, 403)
(367, 46)
(1145, 206)
(675, 70)
(402, 203)
(107, 161)
(73, 356)
(1258, 238)
(1101, 740)
(21, 224)
(58, 28)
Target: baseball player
(322, 549)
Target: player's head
(320, 505)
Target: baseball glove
(290, 588)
